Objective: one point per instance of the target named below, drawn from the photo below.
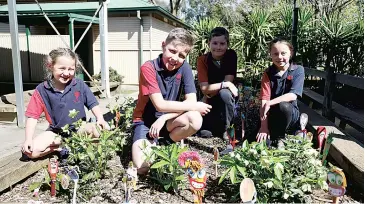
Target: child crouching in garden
(281, 85)
(60, 93)
(159, 116)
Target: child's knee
(285, 107)
(226, 96)
(195, 120)
(141, 149)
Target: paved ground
(11, 137)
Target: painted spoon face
(303, 120)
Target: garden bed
(111, 189)
(103, 165)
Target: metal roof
(90, 7)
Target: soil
(112, 188)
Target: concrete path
(11, 137)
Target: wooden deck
(12, 170)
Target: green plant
(279, 175)
(113, 76)
(201, 31)
(165, 169)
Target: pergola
(43, 18)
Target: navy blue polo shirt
(57, 105)
(273, 85)
(155, 78)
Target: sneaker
(24, 158)
(281, 145)
(227, 150)
(204, 134)
(248, 191)
(225, 136)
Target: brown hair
(219, 31)
(285, 42)
(50, 60)
(181, 35)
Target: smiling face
(280, 54)
(336, 182)
(63, 70)
(174, 54)
(197, 179)
(218, 46)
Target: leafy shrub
(279, 175)
(165, 169)
(113, 76)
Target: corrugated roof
(114, 4)
(80, 7)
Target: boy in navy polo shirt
(56, 96)
(158, 112)
(281, 85)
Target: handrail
(352, 81)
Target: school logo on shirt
(178, 77)
(77, 96)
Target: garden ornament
(322, 135)
(231, 133)
(336, 183)
(309, 136)
(52, 171)
(197, 175)
(303, 120)
(243, 124)
(72, 173)
(216, 156)
(65, 181)
(326, 148)
(248, 191)
(130, 181)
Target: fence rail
(352, 81)
(330, 108)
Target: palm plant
(201, 31)
(337, 37)
(250, 39)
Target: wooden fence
(331, 109)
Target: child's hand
(103, 124)
(232, 88)
(263, 134)
(156, 127)
(203, 108)
(27, 146)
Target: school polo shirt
(155, 78)
(212, 71)
(56, 105)
(273, 85)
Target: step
(345, 150)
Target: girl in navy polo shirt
(281, 84)
(60, 93)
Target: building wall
(34, 30)
(32, 64)
(123, 44)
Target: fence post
(328, 94)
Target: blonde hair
(51, 59)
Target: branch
(171, 6)
(153, 2)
